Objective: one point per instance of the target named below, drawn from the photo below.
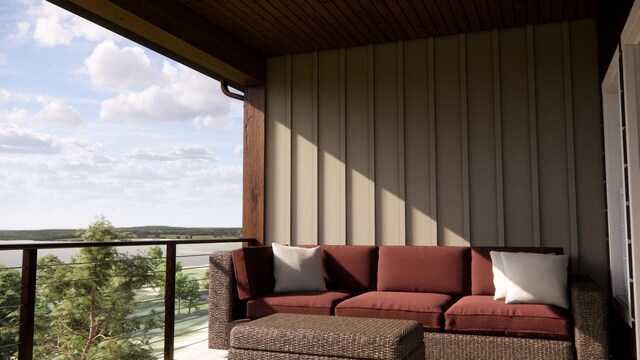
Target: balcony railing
(29, 286)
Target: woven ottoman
(319, 337)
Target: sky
(92, 123)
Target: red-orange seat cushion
(480, 314)
(428, 308)
(305, 302)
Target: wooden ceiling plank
(582, 9)
(484, 13)
(472, 14)
(424, 17)
(532, 12)
(150, 25)
(367, 18)
(351, 25)
(593, 8)
(246, 33)
(306, 39)
(399, 27)
(496, 17)
(570, 9)
(371, 34)
(544, 11)
(507, 15)
(250, 34)
(460, 15)
(379, 20)
(301, 21)
(438, 20)
(412, 15)
(333, 23)
(400, 17)
(307, 19)
(557, 10)
(447, 15)
(520, 12)
(281, 37)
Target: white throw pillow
(499, 281)
(536, 278)
(297, 269)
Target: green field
(189, 328)
(153, 232)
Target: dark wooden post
(28, 303)
(253, 169)
(169, 301)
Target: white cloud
(133, 171)
(179, 94)
(221, 122)
(49, 32)
(228, 172)
(21, 31)
(14, 139)
(153, 103)
(112, 66)
(239, 149)
(54, 113)
(19, 141)
(179, 153)
(4, 96)
(181, 168)
(82, 144)
(51, 26)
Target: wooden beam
(172, 29)
(253, 173)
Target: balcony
(144, 291)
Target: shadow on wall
(482, 139)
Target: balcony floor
(199, 351)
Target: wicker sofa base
(447, 346)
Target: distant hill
(161, 232)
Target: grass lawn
(189, 328)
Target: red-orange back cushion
(431, 269)
(352, 268)
(253, 268)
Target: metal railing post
(169, 301)
(28, 303)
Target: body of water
(185, 253)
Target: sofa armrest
(590, 313)
(224, 305)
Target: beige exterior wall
(489, 138)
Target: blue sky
(92, 123)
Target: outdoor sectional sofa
(448, 289)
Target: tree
(9, 311)
(187, 290)
(186, 287)
(205, 280)
(159, 264)
(89, 302)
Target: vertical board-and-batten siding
(489, 138)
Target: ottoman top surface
(361, 338)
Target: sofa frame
(589, 306)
